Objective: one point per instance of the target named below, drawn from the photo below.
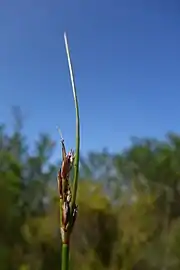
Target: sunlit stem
(76, 161)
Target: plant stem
(66, 233)
(76, 161)
(65, 257)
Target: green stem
(65, 257)
(65, 245)
(76, 162)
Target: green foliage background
(129, 206)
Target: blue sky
(126, 56)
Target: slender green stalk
(68, 207)
(65, 257)
(76, 162)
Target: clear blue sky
(126, 56)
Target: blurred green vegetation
(129, 206)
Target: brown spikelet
(59, 181)
(65, 169)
